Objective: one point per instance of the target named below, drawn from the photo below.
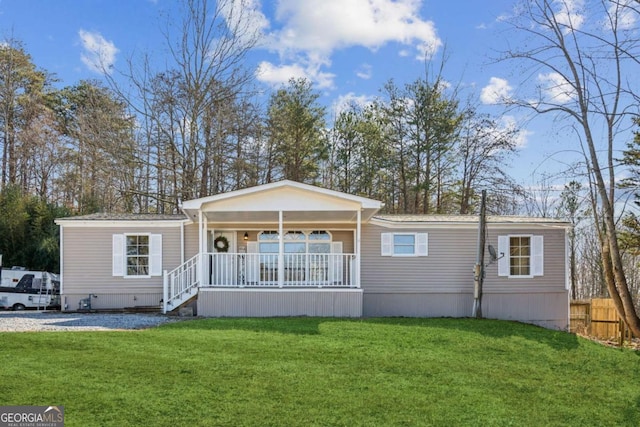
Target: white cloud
(498, 90)
(333, 24)
(364, 72)
(444, 85)
(343, 102)
(569, 13)
(245, 15)
(626, 13)
(277, 75)
(556, 89)
(313, 29)
(521, 137)
(98, 54)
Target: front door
(223, 266)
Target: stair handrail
(179, 283)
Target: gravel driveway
(24, 321)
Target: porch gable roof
(299, 202)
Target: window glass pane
(519, 256)
(404, 244)
(404, 239)
(268, 248)
(319, 248)
(319, 235)
(294, 235)
(294, 248)
(143, 266)
(137, 251)
(268, 235)
(403, 250)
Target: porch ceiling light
(246, 236)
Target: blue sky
(348, 48)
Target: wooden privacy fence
(598, 318)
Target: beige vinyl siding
(191, 240)
(555, 268)
(546, 309)
(106, 301)
(88, 260)
(449, 265)
(282, 302)
(445, 269)
(441, 284)
(346, 237)
(417, 304)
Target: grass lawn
(323, 372)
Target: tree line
(81, 147)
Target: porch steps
(191, 303)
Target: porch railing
(264, 270)
(180, 284)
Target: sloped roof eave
(197, 204)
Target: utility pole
(478, 270)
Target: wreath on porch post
(221, 244)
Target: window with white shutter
(404, 244)
(521, 256)
(137, 255)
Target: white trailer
(23, 289)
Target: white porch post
(202, 240)
(358, 237)
(165, 291)
(210, 261)
(280, 250)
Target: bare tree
(588, 61)
(483, 148)
(185, 107)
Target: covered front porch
(279, 248)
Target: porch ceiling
(262, 217)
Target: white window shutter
(537, 255)
(503, 255)
(155, 255)
(387, 244)
(118, 255)
(422, 244)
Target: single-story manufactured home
(292, 249)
